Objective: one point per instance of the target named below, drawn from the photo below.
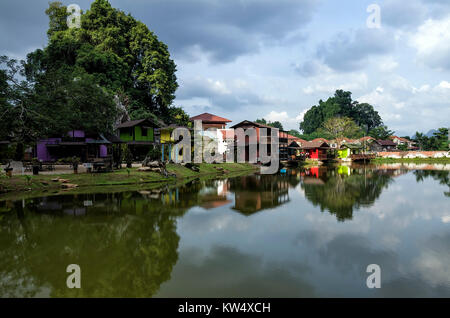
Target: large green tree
(114, 51)
(381, 132)
(340, 105)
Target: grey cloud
(349, 53)
(395, 13)
(223, 29)
(308, 68)
(24, 24)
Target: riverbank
(412, 160)
(19, 187)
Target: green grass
(119, 180)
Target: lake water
(310, 233)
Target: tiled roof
(133, 123)
(315, 144)
(386, 143)
(366, 138)
(252, 123)
(210, 118)
(399, 138)
(320, 139)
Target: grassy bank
(412, 160)
(19, 187)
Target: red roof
(210, 118)
(399, 138)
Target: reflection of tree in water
(439, 175)
(125, 245)
(259, 192)
(340, 194)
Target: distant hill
(430, 133)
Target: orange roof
(210, 118)
(300, 140)
(366, 138)
(399, 138)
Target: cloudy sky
(247, 59)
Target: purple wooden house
(76, 143)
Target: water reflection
(189, 241)
(343, 189)
(260, 192)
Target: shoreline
(411, 160)
(21, 187)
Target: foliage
(178, 116)
(118, 51)
(381, 132)
(294, 133)
(439, 140)
(155, 153)
(340, 105)
(402, 147)
(339, 127)
(275, 124)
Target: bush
(154, 153)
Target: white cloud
(286, 120)
(432, 42)
(386, 64)
(329, 83)
(408, 108)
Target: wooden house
(139, 135)
(295, 151)
(245, 125)
(347, 150)
(167, 143)
(317, 150)
(410, 145)
(76, 143)
(211, 121)
(383, 145)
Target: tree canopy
(381, 132)
(77, 76)
(340, 105)
(339, 127)
(439, 140)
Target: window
(144, 132)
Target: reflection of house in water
(214, 195)
(260, 192)
(52, 205)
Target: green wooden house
(347, 150)
(140, 136)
